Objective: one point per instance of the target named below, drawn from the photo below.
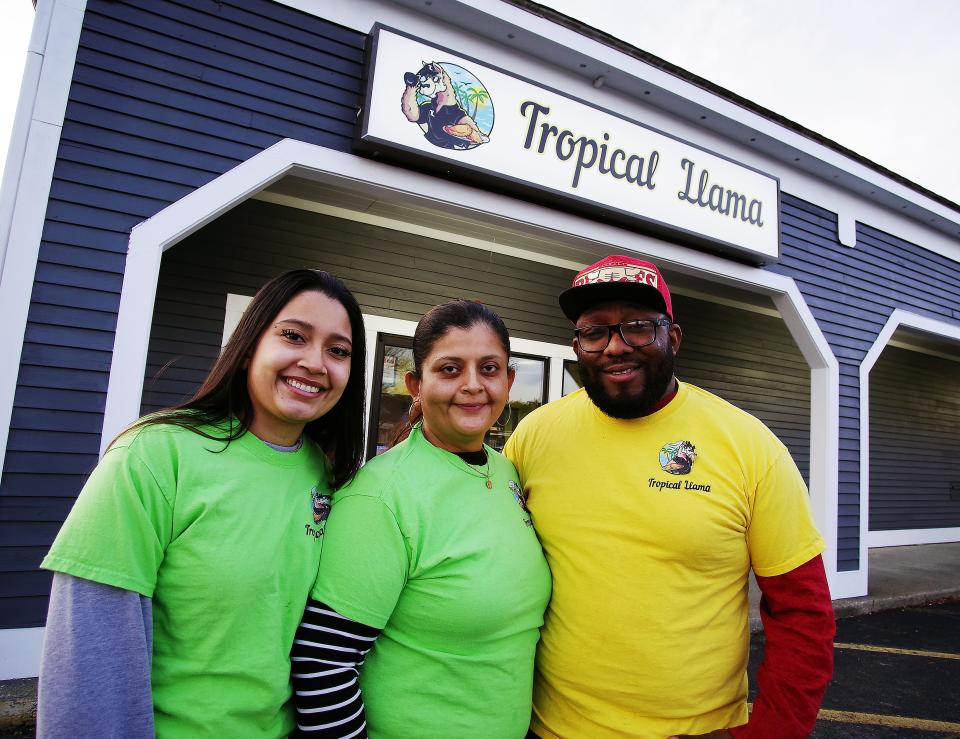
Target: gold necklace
(473, 470)
(464, 464)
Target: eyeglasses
(634, 333)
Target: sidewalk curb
(18, 707)
(865, 605)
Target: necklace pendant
(489, 484)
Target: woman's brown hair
(223, 394)
(434, 325)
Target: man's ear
(676, 336)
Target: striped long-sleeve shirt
(328, 652)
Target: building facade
(170, 157)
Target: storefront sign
(437, 106)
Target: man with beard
(653, 499)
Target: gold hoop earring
(500, 425)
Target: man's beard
(626, 404)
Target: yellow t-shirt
(650, 527)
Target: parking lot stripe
(876, 719)
(892, 650)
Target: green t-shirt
(453, 573)
(227, 544)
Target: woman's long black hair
(223, 394)
(434, 325)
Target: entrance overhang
(898, 321)
(560, 238)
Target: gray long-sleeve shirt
(95, 668)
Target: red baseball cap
(616, 277)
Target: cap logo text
(617, 273)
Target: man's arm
(797, 661)
(797, 664)
(408, 100)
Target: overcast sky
(880, 77)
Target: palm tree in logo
(477, 97)
(460, 92)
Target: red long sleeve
(797, 663)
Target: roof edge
(634, 52)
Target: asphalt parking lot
(896, 674)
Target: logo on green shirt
(321, 505)
(518, 494)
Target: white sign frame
(543, 143)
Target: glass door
(529, 391)
(571, 377)
(389, 407)
(390, 404)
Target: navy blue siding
(852, 292)
(169, 94)
(914, 441)
(165, 97)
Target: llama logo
(321, 506)
(451, 106)
(678, 457)
(518, 494)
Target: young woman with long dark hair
(430, 563)
(182, 571)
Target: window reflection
(393, 404)
(529, 391)
(390, 407)
(571, 377)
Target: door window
(391, 402)
(529, 391)
(389, 406)
(571, 377)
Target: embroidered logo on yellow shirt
(678, 457)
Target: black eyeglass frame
(619, 327)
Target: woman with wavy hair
(182, 571)
(426, 612)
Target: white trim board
(21, 650)
(27, 177)
(150, 239)
(233, 312)
(907, 537)
(898, 318)
(849, 584)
